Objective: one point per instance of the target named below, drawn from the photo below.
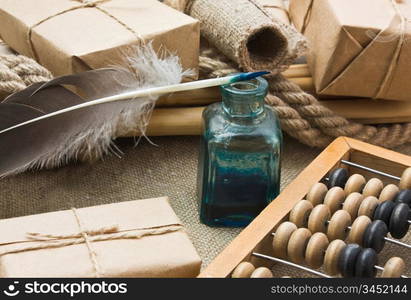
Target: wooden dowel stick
(305, 83)
(187, 120)
(190, 98)
(174, 121)
(299, 70)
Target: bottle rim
(255, 87)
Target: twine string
(90, 248)
(282, 8)
(306, 19)
(263, 7)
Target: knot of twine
(87, 237)
(91, 3)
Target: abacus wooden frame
(256, 237)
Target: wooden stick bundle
(187, 120)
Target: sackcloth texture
(147, 171)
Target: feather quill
(89, 131)
(48, 124)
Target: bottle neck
(243, 107)
(244, 100)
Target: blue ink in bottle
(239, 163)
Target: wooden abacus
(333, 218)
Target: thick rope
(302, 116)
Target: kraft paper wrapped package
(70, 36)
(357, 48)
(142, 238)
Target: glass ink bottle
(239, 163)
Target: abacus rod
(349, 163)
(397, 243)
(291, 264)
(379, 268)
(389, 240)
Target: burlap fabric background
(145, 171)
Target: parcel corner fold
(70, 36)
(355, 46)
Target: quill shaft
(147, 93)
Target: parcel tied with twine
(142, 238)
(72, 36)
(357, 48)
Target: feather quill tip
(248, 76)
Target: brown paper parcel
(70, 36)
(357, 48)
(160, 247)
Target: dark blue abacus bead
(348, 260)
(383, 211)
(404, 196)
(337, 177)
(399, 225)
(366, 262)
(374, 235)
